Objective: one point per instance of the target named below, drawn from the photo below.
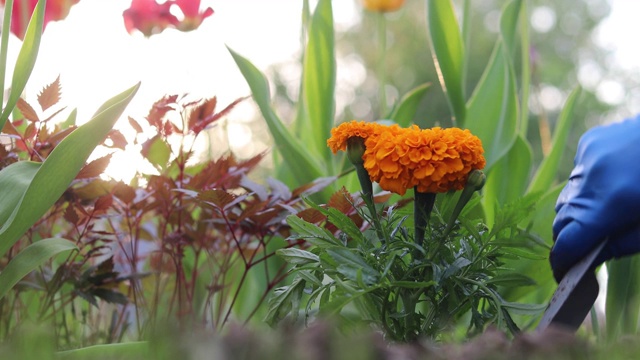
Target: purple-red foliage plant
(190, 245)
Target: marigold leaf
(282, 302)
(50, 94)
(352, 266)
(511, 279)
(311, 233)
(297, 256)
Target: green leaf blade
(304, 166)
(546, 173)
(56, 173)
(406, 109)
(319, 74)
(30, 259)
(26, 60)
(492, 110)
(447, 46)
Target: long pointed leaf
(446, 45)
(26, 60)
(4, 45)
(623, 297)
(30, 259)
(507, 180)
(548, 169)
(406, 109)
(525, 69)
(305, 167)
(492, 111)
(42, 188)
(319, 81)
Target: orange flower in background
(382, 5)
(431, 160)
(54, 10)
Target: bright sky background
(96, 58)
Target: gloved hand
(601, 199)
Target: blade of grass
(30, 259)
(546, 173)
(446, 45)
(26, 60)
(304, 166)
(319, 75)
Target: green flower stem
(367, 195)
(382, 72)
(474, 183)
(422, 206)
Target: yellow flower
(382, 5)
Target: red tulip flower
(150, 17)
(54, 10)
(193, 17)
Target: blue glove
(601, 199)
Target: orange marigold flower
(431, 160)
(341, 133)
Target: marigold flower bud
(476, 179)
(355, 150)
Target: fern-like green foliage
(406, 290)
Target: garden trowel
(575, 295)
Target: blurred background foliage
(564, 53)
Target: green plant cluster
(406, 290)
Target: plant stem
(382, 73)
(367, 195)
(423, 204)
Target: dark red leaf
(103, 203)
(311, 215)
(117, 139)
(27, 111)
(219, 198)
(202, 110)
(135, 125)
(94, 168)
(50, 95)
(203, 123)
(159, 109)
(71, 215)
(124, 192)
(342, 201)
